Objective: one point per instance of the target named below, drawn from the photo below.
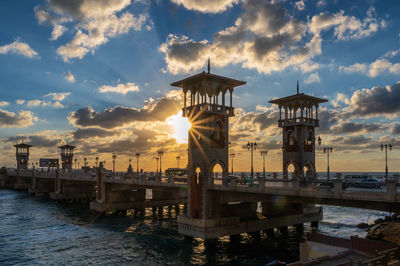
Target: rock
(388, 218)
(396, 216)
(362, 225)
(379, 221)
(385, 231)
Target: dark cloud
(376, 101)
(41, 141)
(356, 140)
(120, 116)
(345, 128)
(396, 129)
(22, 119)
(261, 120)
(85, 133)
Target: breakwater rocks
(387, 229)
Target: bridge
(217, 206)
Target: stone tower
(206, 107)
(22, 156)
(298, 117)
(67, 155)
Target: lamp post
(264, 154)
(252, 146)
(97, 161)
(114, 157)
(157, 158)
(327, 150)
(177, 159)
(232, 156)
(160, 154)
(386, 146)
(137, 162)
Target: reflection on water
(37, 230)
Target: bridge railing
(389, 187)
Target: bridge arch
(292, 167)
(217, 168)
(308, 169)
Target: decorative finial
(208, 65)
(298, 87)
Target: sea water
(37, 230)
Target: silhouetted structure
(298, 121)
(67, 155)
(22, 155)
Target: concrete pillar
(296, 183)
(270, 233)
(57, 182)
(338, 186)
(233, 182)
(314, 224)
(391, 189)
(261, 183)
(283, 230)
(234, 238)
(101, 187)
(299, 228)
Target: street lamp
(386, 161)
(252, 146)
(137, 162)
(177, 159)
(157, 158)
(84, 161)
(114, 157)
(97, 161)
(160, 154)
(232, 156)
(264, 154)
(328, 150)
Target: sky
(97, 74)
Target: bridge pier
(22, 183)
(42, 184)
(121, 195)
(72, 189)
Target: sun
(181, 127)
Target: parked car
(370, 183)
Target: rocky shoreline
(387, 229)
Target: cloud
(377, 101)
(69, 77)
(57, 32)
(267, 38)
(94, 23)
(22, 119)
(18, 47)
(374, 69)
(120, 88)
(300, 5)
(56, 98)
(313, 78)
(120, 116)
(351, 127)
(88, 133)
(41, 139)
(396, 130)
(207, 6)
(3, 104)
